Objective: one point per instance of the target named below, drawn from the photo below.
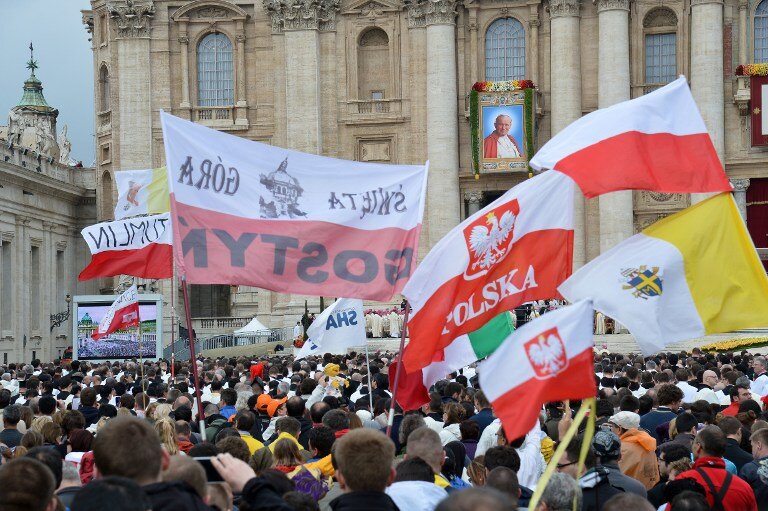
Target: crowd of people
(677, 431)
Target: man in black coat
(731, 427)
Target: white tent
(254, 326)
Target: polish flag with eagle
(517, 249)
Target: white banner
(338, 328)
(129, 234)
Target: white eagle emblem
(487, 242)
(546, 353)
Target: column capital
(416, 13)
(473, 196)
(564, 8)
(740, 185)
(240, 38)
(302, 14)
(440, 12)
(696, 3)
(611, 5)
(133, 17)
(184, 38)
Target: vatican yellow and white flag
(141, 192)
(693, 273)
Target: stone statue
(65, 146)
(15, 127)
(44, 140)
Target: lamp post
(59, 318)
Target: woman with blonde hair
(32, 439)
(166, 430)
(163, 411)
(286, 456)
(51, 433)
(149, 413)
(38, 422)
(453, 414)
(476, 471)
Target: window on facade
(104, 101)
(373, 66)
(505, 50)
(761, 32)
(660, 58)
(106, 195)
(209, 301)
(215, 75)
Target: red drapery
(757, 213)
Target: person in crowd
(113, 493)
(709, 471)
(26, 484)
(593, 480)
(669, 398)
(10, 435)
(668, 454)
(626, 501)
(413, 486)
(562, 493)
(754, 472)
(70, 484)
(686, 425)
(607, 448)
(638, 449)
(733, 430)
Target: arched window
(373, 67)
(104, 102)
(761, 32)
(215, 77)
(505, 50)
(660, 28)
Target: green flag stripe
(486, 339)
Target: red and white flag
(548, 359)
(140, 247)
(656, 142)
(122, 314)
(517, 249)
(253, 214)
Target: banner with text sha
(253, 214)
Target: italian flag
(656, 142)
(548, 359)
(413, 388)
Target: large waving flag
(413, 388)
(140, 247)
(690, 274)
(122, 314)
(338, 328)
(253, 214)
(655, 142)
(548, 359)
(517, 249)
(141, 192)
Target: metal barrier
(181, 351)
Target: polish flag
(140, 247)
(553, 361)
(517, 249)
(656, 142)
(122, 314)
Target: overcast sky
(64, 55)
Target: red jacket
(732, 410)
(738, 497)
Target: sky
(63, 54)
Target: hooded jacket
(596, 489)
(174, 496)
(638, 457)
(416, 495)
(364, 501)
(738, 497)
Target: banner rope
(588, 405)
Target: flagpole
(138, 333)
(193, 357)
(174, 290)
(368, 365)
(399, 368)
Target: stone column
(442, 119)
(740, 195)
(565, 66)
(616, 210)
(707, 71)
(743, 32)
(473, 201)
(133, 21)
(184, 41)
(473, 8)
(241, 106)
(533, 24)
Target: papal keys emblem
(643, 281)
(546, 353)
(489, 238)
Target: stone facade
(43, 206)
(386, 80)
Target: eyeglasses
(561, 466)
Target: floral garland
(752, 70)
(474, 115)
(504, 86)
(736, 343)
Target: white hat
(626, 420)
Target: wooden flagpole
(368, 365)
(193, 357)
(399, 368)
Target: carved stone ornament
(302, 14)
(660, 17)
(240, 38)
(132, 17)
(212, 12)
(473, 196)
(440, 12)
(416, 13)
(695, 3)
(612, 5)
(563, 8)
(184, 39)
(740, 185)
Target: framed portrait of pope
(502, 128)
